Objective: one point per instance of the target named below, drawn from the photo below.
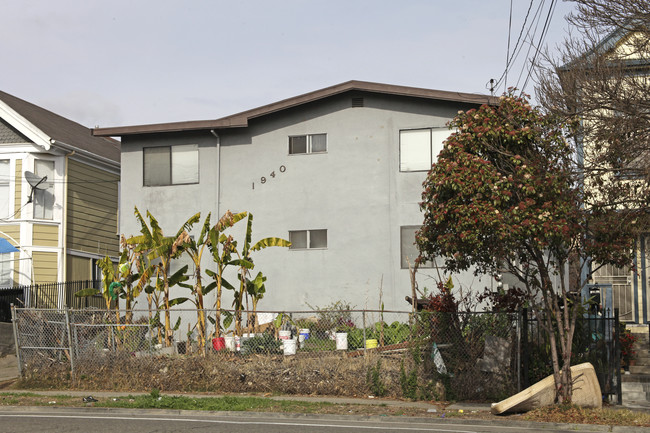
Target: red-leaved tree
(506, 193)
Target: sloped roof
(241, 119)
(607, 45)
(63, 130)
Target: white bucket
(301, 341)
(341, 341)
(289, 347)
(304, 332)
(284, 335)
(237, 343)
(230, 343)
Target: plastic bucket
(301, 341)
(230, 343)
(218, 343)
(371, 344)
(304, 332)
(341, 341)
(284, 335)
(289, 346)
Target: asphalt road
(21, 420)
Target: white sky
(117, 62)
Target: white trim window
(310, 143)
(44, 194)
(419, 148)
(409, 251)
(308, 239)
(171, 165)
(6, 270)
(5, 189)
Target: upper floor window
(419, 148)
(312, 143)
(44, 194)
(171, 165)
(308, 239)
(5, 190)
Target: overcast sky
(117, 62)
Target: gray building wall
(355, 190)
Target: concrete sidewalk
(8, 368)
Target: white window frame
(170, 167)
(309, 145)
(40, 209)
(434, 147)
(5, 182)
(402, 256)
(309, 240)
(6, 270)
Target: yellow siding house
(68, 221)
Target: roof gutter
(70, 148)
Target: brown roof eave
(241, 119)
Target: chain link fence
(445, 356)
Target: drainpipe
(212, 131)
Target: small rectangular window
(419, 148)
(6, 270)
(312, 143)
(308, 239)
(5, 189)
(408, 248)
(44, 194)
(171, 165)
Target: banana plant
(222, 248)
(161, 250)
(245, 263)
(194, 250)
(256, 289)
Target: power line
(547, 24)
(510, 58)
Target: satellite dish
(35, 182)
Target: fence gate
(8, 296)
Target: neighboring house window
(308, 239)
(5, 190)
(419, 148)
(312, 143)
(44, 194)
(6, 271)
(622, 291)
(171, 165)
(408, 248)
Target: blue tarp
(6, 247)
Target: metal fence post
(363, 319)
(16, 341)
(68, 331)
(524, 345)
(617, 359)
(519, 351)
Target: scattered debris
(51, 402)
(89, 399)
(432, 410)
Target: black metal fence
(49, 295)
(596, 340)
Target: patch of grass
(228, 403)
(577, 415)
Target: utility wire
(510, 58)
(547, 24)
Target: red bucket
(218, 343)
